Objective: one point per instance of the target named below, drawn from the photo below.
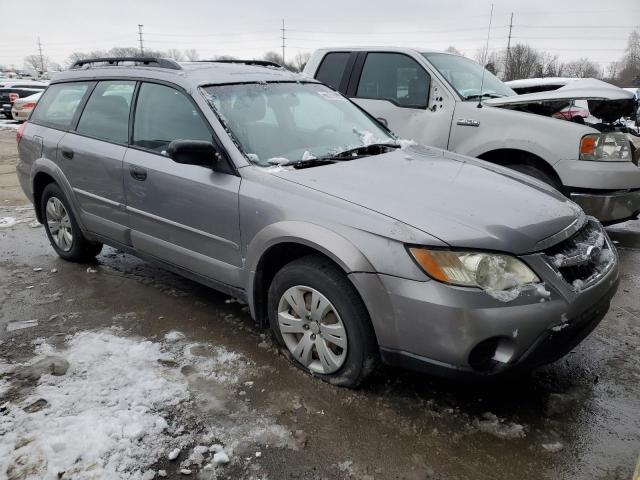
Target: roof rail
(139, 61)
(260, 63)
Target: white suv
(451, 102)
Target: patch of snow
(553, 447)
(498, 427)
(6, 222)
(307, 155)
(174, 336)
(9, 125)
(13, 326)
(105, 401)
(220, 458)
(92, 270)
(404, 143)
(505, 295)
(541, 290)
(278, 160)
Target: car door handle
(138, 173)
(67, 153)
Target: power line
(140, 36)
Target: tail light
(13, 97)
(20, 132)
(27, 106)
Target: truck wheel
(537, 174)
(62, 229)
(316, 314)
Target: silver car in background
(350, 244)
(22, 107)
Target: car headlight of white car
(610, 146)
(489, 271)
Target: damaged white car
(451, 102)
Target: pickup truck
(451, 102)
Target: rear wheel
(62, 229)
(318, 317)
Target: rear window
(59, 104)
(332, 68)
(106, 114)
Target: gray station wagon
(352, 245)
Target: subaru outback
(351, 245)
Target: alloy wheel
(59, 224)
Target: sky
(248, 28)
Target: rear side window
(106, 115)
(164, 114)
(59, 104)
(394, 77)
(332, 68)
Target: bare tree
(452, 49)
(548, 65)
(630, 69)
(273, 57)
(175, 54)
(226, 57)
(582, 68)
(37, 63)
(300, 61)
(522, 62)
(192, 54)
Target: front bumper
(439, 328)
(609, 207)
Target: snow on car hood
(463, 201)
(606, 101)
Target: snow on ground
(6, 124)
(109, 406)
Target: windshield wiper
(362, 151)
(342, 156)
(484, 95)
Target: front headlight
(612, 147)
(489, 271)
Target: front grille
(583, 258)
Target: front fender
(334, 246)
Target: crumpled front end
(449, 329)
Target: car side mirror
(194, 152)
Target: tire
(344, 321)
(537, 174)
(73, 246)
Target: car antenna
(486, 52)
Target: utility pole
(41, 57)
(508, 65)
(140, 37)
(283, 38)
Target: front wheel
(316, 314)
(63, 231)
(537, 174)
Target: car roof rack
(139, 61)
(260, 63)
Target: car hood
(606, 101)
(462, 201)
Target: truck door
(399, 91)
